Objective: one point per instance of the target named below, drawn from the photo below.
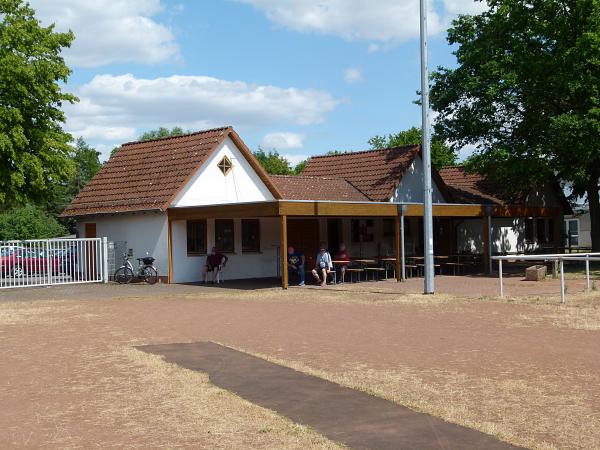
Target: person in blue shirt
(296, 262)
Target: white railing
(556, 258)
(47, 262)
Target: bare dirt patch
(527, 371)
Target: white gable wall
(410, 189)
(209, 186)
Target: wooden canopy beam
(278, 208)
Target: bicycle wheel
(123, 275)
(150, 275)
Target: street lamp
(429, 287)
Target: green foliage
(526, 92)
(34, 150)
(300, 166)
(29, 222)
(87, 163)
(161, 133)
(273, 162)
(441, 154)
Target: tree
(273, 162)
(526, 93)
(441, 154)
(87, 163)
(34, 150)
(298, 168)
(161, 133)
(29, 222)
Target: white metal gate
(45, 262)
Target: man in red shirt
(342, 255)
(214, 263)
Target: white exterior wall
(585, 228)
(240, 265)
(410, 189)
(508, 236)
(210, 187)
(143, 232)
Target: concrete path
(345, 415)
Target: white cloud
(455, 7)
(110, 31)
(381, 21)
(353, 75)
(117, 108)
(294, 159)
(282, 141)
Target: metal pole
(587, 272)
(429, 287)
(105, 259)
(402, 244)
(500, 278)
(562, 281)
(490, 237)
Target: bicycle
(146, 270)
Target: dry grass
(576, 318)
(17, 313)
(140, 401)
(533, 411)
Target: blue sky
(301, 76)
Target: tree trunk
(594, 205)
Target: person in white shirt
(323, 264)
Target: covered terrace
(295, 217)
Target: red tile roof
(467, 187)
(147, 175)
(376, 173)
(317, 188)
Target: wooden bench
(410, 267)
(352, 271)
(454, 265)
(375, 270)
(421, 268)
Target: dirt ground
(526, 370)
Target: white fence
(47, 262)
(559, 258)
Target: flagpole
(429, 287)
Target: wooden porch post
(170, 248)
(284, 246)
(556, 230)
(398, 248)
(486, 243)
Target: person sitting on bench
(214, 263)
(323, 265)
(342, 255)
(296, 263)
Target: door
(303, 235)
(334, 235)
(572, 228)
(90, 230)
(443, 236)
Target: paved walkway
(351, 417)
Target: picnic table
(343, 262)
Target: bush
(29, 222)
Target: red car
(17, 262)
